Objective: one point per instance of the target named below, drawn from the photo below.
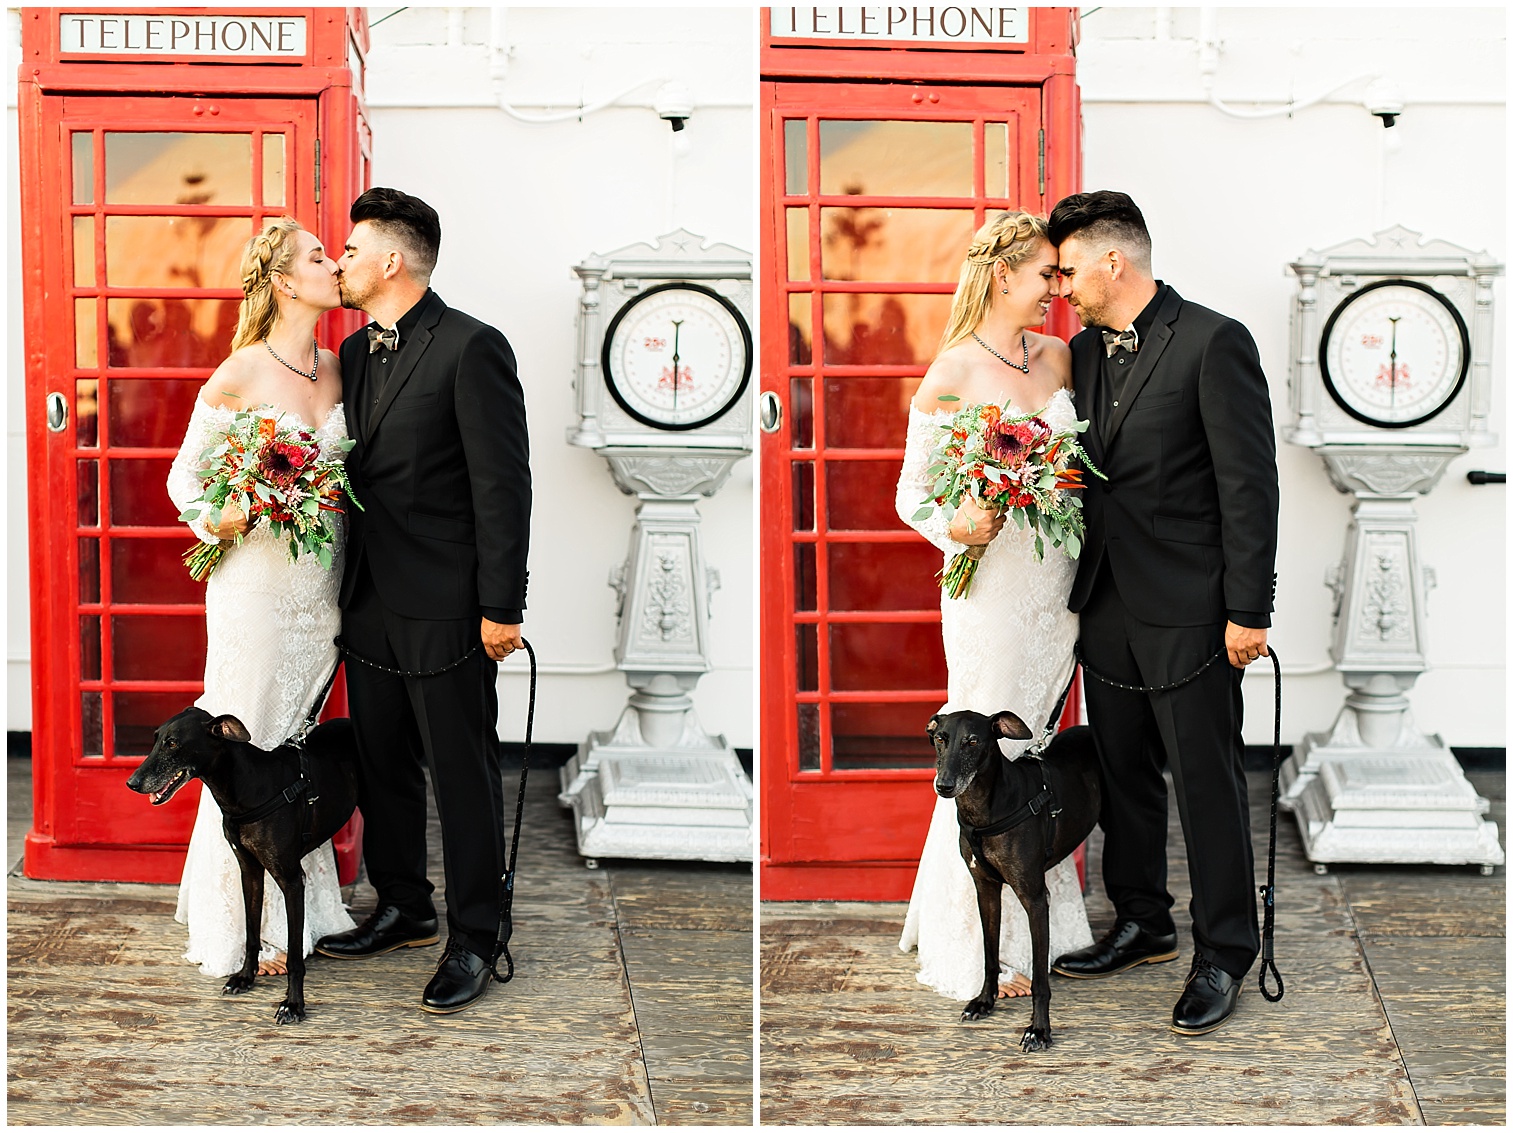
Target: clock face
(677, 356)
(1394, 354)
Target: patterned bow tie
(390, 338)
(1111, 341)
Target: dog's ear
(229, 728)
(933, 726)
(1008, 725)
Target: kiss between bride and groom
(432, 566)
(1176, 568)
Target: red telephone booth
(888, 135)
(154, 143)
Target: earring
(1005, 291)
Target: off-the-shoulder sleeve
(184, 483)
(914, 484)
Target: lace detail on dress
(1008, 645)
(270, 626)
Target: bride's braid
(1010, 237)
(271, 250)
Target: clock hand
(677, 325)
(1392, 365)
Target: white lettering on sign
(108, 33)
(954, 24)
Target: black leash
(507, 882)
(1269, 890)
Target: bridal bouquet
(1017, 463)
(274, 472)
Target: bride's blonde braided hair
(1010, 238)
(271, 250)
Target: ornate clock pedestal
(664, 364)
(657, 785)
(1374, 788)
(1396, 385)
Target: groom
(435, 567)
(1181, 544)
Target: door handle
(769, 412)
(57, 412)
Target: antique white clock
(663, 394)
(677, 356)
(1394, 353)
(1395, 385)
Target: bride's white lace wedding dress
(1008, 645)
(270, 626)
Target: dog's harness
(301, 787)
(1043, 803)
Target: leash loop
(1269, 890)
(507, 882)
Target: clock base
(1362, 794)
(670, 803)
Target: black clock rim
(614, 325)
(1465, 354)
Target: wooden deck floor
(1394, 1014)
(631, 1003)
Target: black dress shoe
(1124, 946)
(461, 977)
(1208, 999)
(384, 931)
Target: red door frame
(800, 858)
(84, 827)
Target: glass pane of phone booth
(158, 221)
(877, 214)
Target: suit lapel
(1087, 382)
(1145, 362)
(355, 375)
(409, 358)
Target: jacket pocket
(1155, 400)
(408, 400)
(440, 527)
(1175, 530)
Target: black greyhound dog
(277, 808)
(1018, 818)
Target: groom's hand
(1244, 644)
(500, 640)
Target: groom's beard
(351, 300)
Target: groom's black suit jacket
(441, 468)
(1187, 520)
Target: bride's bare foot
(1015, 985)
(279, 966)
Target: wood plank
(108, 1025)
(1491, 1110)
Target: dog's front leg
(989, 910)
(252, 908)
(1037, 1036)
(292, 1009)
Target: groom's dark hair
(408, 221)
(1104, 216)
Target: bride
(1008, 643)
(270, 623)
